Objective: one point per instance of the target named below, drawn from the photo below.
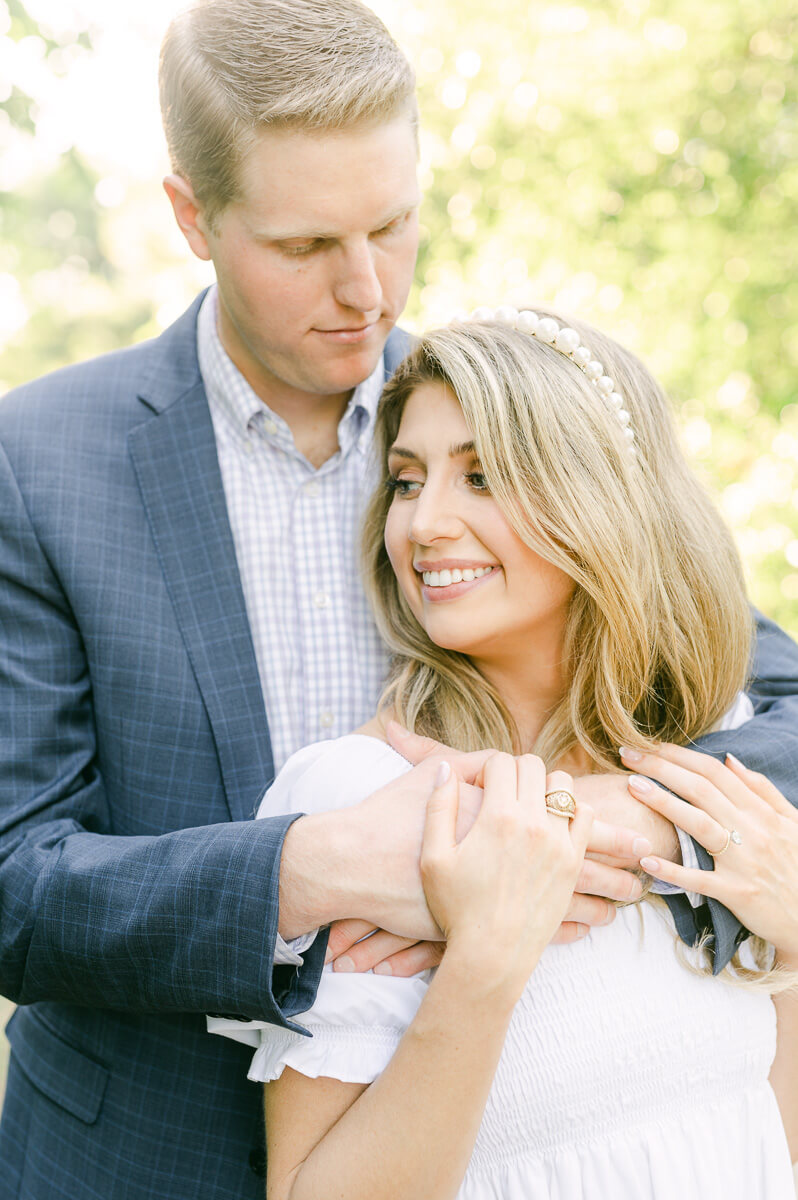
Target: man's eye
(302, 248)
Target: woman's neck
(531, 685)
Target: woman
(550, 579)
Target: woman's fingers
(696, 777)
(441, 820)
(366, 954)
(693, 820)
(761, 786)
(706, 883)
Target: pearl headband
(568, 342)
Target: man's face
(315, 262)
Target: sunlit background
(634, 162)
(630, 161)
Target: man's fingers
(417, 749)
(613, 883)
(569, 931)
(623, 845)
(589, 910)
(365, 955)
(418, 957)
(344, 934)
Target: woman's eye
(402, 487)
(477, 481)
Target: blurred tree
(635, 161)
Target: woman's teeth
(445, 578)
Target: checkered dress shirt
(295, 529)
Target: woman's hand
(500, 894)
(756, 877)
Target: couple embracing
(586, 905)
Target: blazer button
(257, 1162)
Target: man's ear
(188, 214)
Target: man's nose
(358, 285)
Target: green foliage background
(635, 161)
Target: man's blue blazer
(136, 894)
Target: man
(179, 611)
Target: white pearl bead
(482, 314)
(629, 434)
(507, 314)
(582, 356)
(615, 399)
(594, 369)
(459, 316)
(605, 384)
(567, 340)
(547, 330)
(623, 416)
(528, 320)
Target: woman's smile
(449, 540)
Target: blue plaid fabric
(135, 893)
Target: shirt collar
(230, 395)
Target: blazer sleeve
(186, 921)
(767, 743)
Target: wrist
(315, 869)
(490, 973)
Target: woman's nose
(434, 518)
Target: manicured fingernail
(327, 956)
(730, 758)
(610, 917)
(630, 755)
(641, 846)
(344, 963)
(383, 968)
(639, 783)
(651, 865)
(444, 771)
(582, 931)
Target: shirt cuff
(289, 954)
(689, 859)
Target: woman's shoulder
(337, 773)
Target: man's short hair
(232, 68)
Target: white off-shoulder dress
(623, 1076)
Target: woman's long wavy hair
(658, 632)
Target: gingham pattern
(295, 529)
(130, 709)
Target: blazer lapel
(175, 460)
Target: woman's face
(471, 582)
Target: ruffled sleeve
(356, 1024)
(357, 1020)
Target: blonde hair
(658, 632)
(231, 68)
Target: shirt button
(248, 448)
(312, 489)
(326, 720)
(270, 426)
(321, 599)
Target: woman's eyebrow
(457, 451)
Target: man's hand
(363, 862)
(614, 805)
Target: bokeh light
(632, 161)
